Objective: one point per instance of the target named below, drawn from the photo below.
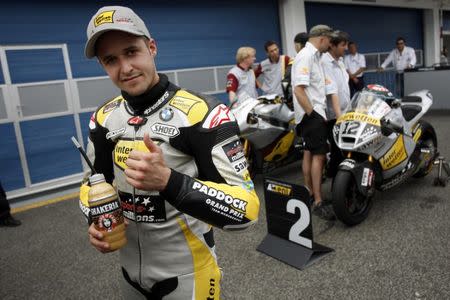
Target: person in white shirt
(241, 80)
(335, 71)
(273, 68)
(402, 58)
(356, 65)
(308, 82)
(300, 40)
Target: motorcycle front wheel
(350, 206)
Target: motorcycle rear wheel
(427, 143)
(350, 206)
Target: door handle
(19, 110)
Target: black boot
(9, 221)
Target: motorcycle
(382, 148)
(267, 127)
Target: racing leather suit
(169, 232)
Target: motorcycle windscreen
(359, 128)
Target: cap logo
(104, 17)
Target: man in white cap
(177, 163)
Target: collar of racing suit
(139, 103)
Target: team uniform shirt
(401, 61)
(170, 232)
(273, 72)
(307, 70)
(335, 71)
(242, 82)
(355, 62)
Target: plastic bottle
(106, 212)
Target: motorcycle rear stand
(441, 179)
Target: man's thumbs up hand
(147, 170)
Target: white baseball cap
(113, 18)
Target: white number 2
(301, 224)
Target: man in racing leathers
(176, 160)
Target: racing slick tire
(350, 206)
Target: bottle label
(107, 216)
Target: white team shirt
(402, 60)
(354, 62)
(273, 74)
(307, 70)
(246, 82)
(336, 72)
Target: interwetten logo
(104, 17)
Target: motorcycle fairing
(362, 172)
(353, 134)
(281, 150)
(399, 177)
(395, 155)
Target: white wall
(292, 21)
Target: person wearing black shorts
(309, 86)
(313, 131)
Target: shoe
(9, 222)
(324, 211)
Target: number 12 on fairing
(301, 224)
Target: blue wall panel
(386, 79)
(2, 79)
(11, 174)
(52, 157)
(36, 65)
(446, 20)
(223, 97)
(188, 33)
(373, 28)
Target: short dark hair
(400, 38)
(301, 38)
(351, 43)
(268, 44)
(339, 37)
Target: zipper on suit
(136, 128)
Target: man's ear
(152, 47)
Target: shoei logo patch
(219, 115)
(104, 17)
(167, 130)
(279, 189)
